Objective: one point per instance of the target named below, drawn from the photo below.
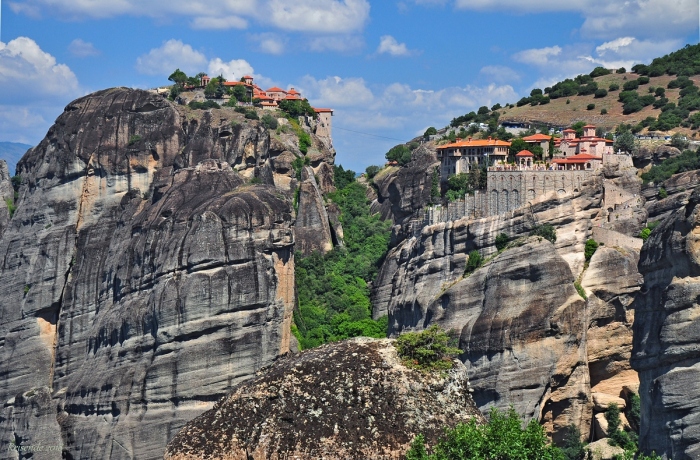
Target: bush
(686, 161)
(502, 241)
(590, 249)
(616, 436)
(613, 87)
(621, 70)
(603, 111)
(196, 105)
(643, 80)
(601, 93)
(599, 72)
(475, 260)
(546, 231)
(269, 121)
(10, 206)
(431, 349)
(663, 193)
(590, 107)
(252, 115)
(134, 139)
(631, 85)
(501, 438)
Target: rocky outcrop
(312, 228)
(545, 359)
(676, 193)
(666, 352)
(143, 275)
(352, 399)
(401, 191)
(6, 194)
(646, 156)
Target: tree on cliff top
(178, 77)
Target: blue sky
(389, 68)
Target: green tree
(578, 127)
(626, 142)
(617, 436)
(399, 153)
(239, 92)
(269, 121)
(430, 132)
(297, 108)
(178, 77)
(430, 349)
(372, 171)
(502, 438)
(572, 447)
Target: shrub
(501, 438)
(643, 80)
(502, 241)
(616, 436)
(10, 206)
(613, 87)
(601, 93)
(252, 115)
(599, 72)
(475, 260)
(580, 290)
(196, 105)
(590, 249)
(631, 85)
(590, 107)
(603, 111)
(644, 234)
(546, 231)
(621, 70)
(663, 193)
(269, 121)
(431, 349)
(134, 139)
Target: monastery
(510, 186)
(269, 100)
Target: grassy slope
(559, 113)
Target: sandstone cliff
(523, 326)
(352, 399)
(666, 351)
(144, 273)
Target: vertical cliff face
(666, 351)
(530, 339)
(142, 275)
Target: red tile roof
(476, 143)
(525, 153)
(275, 89)
(537, 138)
(322, 110)
(569, 130)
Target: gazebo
(525, 158)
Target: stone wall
(611, 238)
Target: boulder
(601, 401)
(602, 450)
(353, 399)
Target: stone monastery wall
(507, 191)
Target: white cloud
(220, 23)
(172, 55)
(323, 16)
(28, 73)
(603, 19)
(389, 45)
(537, 56)
(269, 43)
(80, 48)
(556, 63)
(315, 16)
(35, 88)
(232, 70)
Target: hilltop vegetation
(661, 96)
